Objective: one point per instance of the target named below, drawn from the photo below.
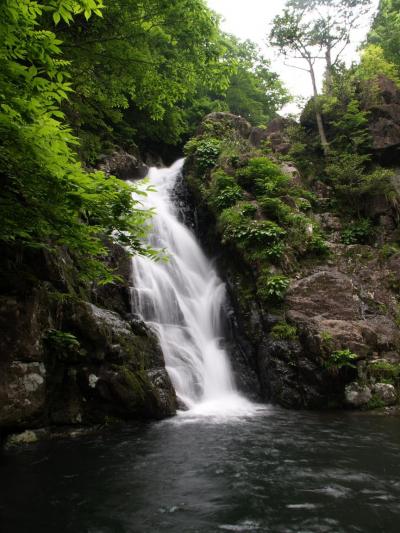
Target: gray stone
(357, 395)
(124, 166)
(385, 392)
(22, 392)
(227, 120)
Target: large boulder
(70, 361)
(357, 395)
(326, 294)
(274, 133)
(124, 166)
(22, 392)
(220, 121)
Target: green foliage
(374, 64)
(206, 152)
(326, 339)
(305, 237)
(353, 183)
(62, 339)
(141, 66)
(317, 245)
(272, 288)
(224, 191)
(284, 331)
(393, 282)
(340, 359)
(388, 250)
(151, 70)
(275, 209)
(63, 345)
(375, 402)
(263, 176)
(385, 31)
(238, 228)
(350, 126)
(384, 371)
(303, 204)
(359, 232)
(254, 92)
(47, 199)
(270, 254)
(307, 30)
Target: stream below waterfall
(275, 472)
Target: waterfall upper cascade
(182, 301)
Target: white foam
(182, 301)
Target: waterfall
(181, 299)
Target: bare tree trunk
(328, 75)
(320, 123)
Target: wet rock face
(76, 362)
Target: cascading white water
(181, 300)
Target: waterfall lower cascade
(182, 300)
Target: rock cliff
(315, 318)
(75, 354)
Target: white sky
(251, 19)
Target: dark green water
(278, 472)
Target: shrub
(385, 372)
(224, 191)
(275, 209)
(272, 252)
(359, 232)
(375, 402)
(206, 152)
(260, 232)
(62, 344)
(262, 176)
(237, 227)
(303, 204)
(227, 197)
(317, 245)
(284, 331)
(272, 288)
(352, 182)
(340, 359)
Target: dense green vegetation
(147, 72)
(47, 199)
(262, 214)
(79, 77)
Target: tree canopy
(79, 77)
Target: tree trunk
(328, 75)
(320, 123)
